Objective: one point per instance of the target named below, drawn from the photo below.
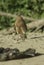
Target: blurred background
(30, 8)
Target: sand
(31, 42)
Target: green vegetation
(31, 8)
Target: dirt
(34, 40)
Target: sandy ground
(31, 42)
